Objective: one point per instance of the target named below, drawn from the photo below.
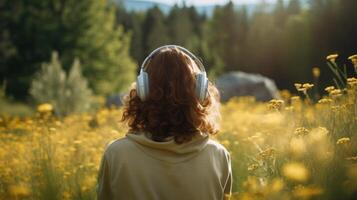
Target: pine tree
(136, 45)
(197, 20)
(180, 26)
(297, 54)
(223, 32)
(49, 84)
(280, 14)
(155, 30)
(264, 44)
(66, 94)
(77, 91)
(294, 7)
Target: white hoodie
(138, 168)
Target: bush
(67, 94)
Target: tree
(294, 7)
(223, 32)
(280, 14)
(155, 30)
(297, 51)
(180, 26)
(136, 45)
(67, 94)
(197, 20)
(265, 45)
(84, 29)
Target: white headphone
(142, 82)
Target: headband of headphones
(191, 55)
(142, 86)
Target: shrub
(67, 94)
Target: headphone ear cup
(142, 85)
(201, 86)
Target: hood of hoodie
(168, 150)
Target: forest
(283, 41)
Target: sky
(210, 2)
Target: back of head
(172, 107)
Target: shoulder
(215, 146)
(220, 153)
(118, 145)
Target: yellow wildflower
(352, 81)
(297, 85)
(253, 167)
(45, 108)
(336, 108)
(285, 94)
(251, 183)
(343, 140)
(252, 138)
(303, 87)
(296, 172)
(58, 123)
(335, 93)
(277, 185)
(225, 143)
(303, 192)
(295, 98)
(353, 59)
(332, 57)
(289, 108)
(307, 86)
(329, 89)
(325, 101)
(66, 173)
(275, 104)
(19, 191)
(78, 142)
(301, 131)
(354, 158)
(316, 72)
(267, 153)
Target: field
(284, 149)
(63, 61)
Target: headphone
(142, 82)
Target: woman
(167, 153)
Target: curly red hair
(172, 108)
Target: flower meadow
(291, 148)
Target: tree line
(283, 42)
